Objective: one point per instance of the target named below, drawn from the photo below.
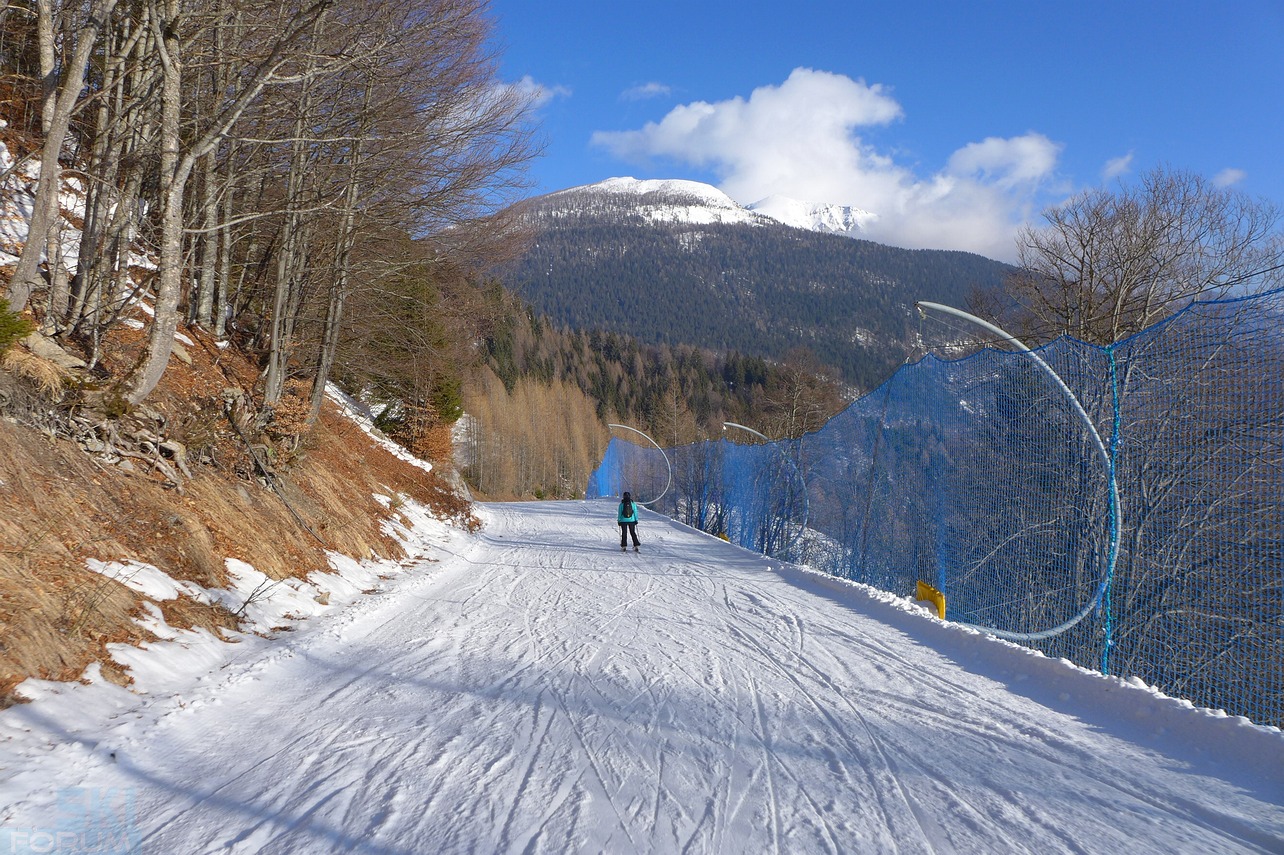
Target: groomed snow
(532, 689)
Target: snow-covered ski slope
(533, 689)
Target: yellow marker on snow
(926, 592)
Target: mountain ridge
(845, 220)
(683, 200)
(675, 262)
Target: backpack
(628, 508)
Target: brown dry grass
(59, 507)
(46, 376)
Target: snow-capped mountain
(695, 203)
(680, 262)
(655, 201)
(815, 216)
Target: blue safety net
(1120, 507)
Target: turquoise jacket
(621, 518)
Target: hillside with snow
(681, 263)
(815, 216)
(651, 201)
(532, 689)
(696, 203)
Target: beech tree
(177, 161)
(67, 35)
(250, 159)
(443, 140)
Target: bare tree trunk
(203, 306)
(59, 278)
(334, 313)
(60, 103)
(343, 263)
(123, 127)
(212, 233)
(291, 258)
(175, 170)
(165, 318)
(97, 207)
(223, 279)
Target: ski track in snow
(539, 691)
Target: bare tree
(448, 143)
(264, 156)
(63, 79)
(124, 130)
(803, 396)
(1111, 263)
(177, 161)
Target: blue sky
(953, 122)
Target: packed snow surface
(533, 689)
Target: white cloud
(1117, 166)
(538, 93)
(1006, 163)
(645, 91)
(801, 139)
(1229, 177)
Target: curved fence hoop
(667, 464)
(1106, 458)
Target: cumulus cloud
(1229, 177)
(803, 139)
(538, 93)
(1117, 166)
(1006, 163)
(645, 91)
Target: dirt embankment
(61, 504)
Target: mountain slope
(679, 262)
(531, 689)
(652, 201)
(814, 216)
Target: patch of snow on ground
(360, 413)
(147, 580)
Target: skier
(628, 520)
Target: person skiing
(628, 520)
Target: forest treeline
(545, 383)
(1108, 263)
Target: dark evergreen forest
(757, 290)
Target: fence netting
(986, 479)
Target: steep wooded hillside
(679, 275)
(73, 494)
